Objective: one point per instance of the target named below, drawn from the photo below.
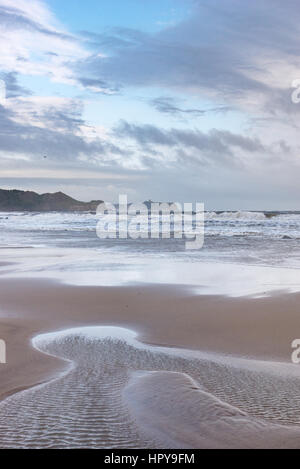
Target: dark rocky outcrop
(15, 200)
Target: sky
(168, 100)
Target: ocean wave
(239, 215)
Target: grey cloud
(168, 105)
(13, 89)
(88, 82)
(159, 62)
(218, 50)
(215, 141)
(59, 145)
(144, 134)
(171, 61)
(110, 41)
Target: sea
(239, 254)
(117, 393)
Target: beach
(259, 330)
(143, 344)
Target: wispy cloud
(169, 105)
(33, 43)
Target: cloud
(241, 55)
(32, 42)
(13, 18)
(13, 89)
(31, 128)
(97, 86)
(215, 141)
(169, 105)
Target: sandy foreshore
(162, 315)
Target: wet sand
(162, 315)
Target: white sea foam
(238, 237)
(239, 215)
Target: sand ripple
(118, 393)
